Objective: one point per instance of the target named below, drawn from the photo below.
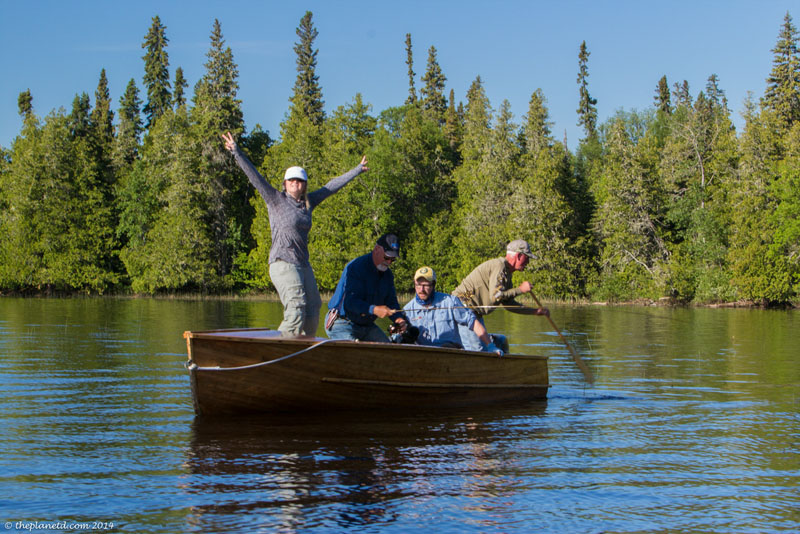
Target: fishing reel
(400, 334)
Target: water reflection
(694, 425)
(290, 472)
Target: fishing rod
(463, 308)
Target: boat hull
(253, 370)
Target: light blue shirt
(439, 324)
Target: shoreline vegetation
(665, 206)
(271, 296)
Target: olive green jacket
(489, 284)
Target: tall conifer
(662, 99)
(178, 96)
(129, 129)
(307, 97)
(156, 72)
(412, 92)
(102, 116)
(783, 84)
(587, 110)
(432, 93)
(25, 103)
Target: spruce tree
(129, 129)
(307, 96)
(783, 84)
(681, 93)
(156, 72)
(102, 118)
(662, 99)
(79, 117)
(432, 93)
(25, 104)
(412, 93)
(540, 211)
(453, 128)
(587, 110)
(217, 109)
(178, 97)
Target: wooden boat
(251, 370)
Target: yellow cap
(425, 273)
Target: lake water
(693, 426)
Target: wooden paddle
(587, 373)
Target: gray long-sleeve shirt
(290, 219)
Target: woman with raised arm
(290, 222)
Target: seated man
(364, 293)
(438, 315)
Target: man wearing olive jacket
(489, 285)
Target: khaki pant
(297, 288)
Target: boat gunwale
(310, 341)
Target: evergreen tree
(759, 272)
(156, 72)
(102, 118)
(169, 246)
(783, 84)
(432, 93)
(79, 117)
(629, 216)
(453, 128)
(682, 95)
(411, 184)
(540, 212)
(662, 100)
(587, 110)
(129, 129)
(698, 160)
(57, 231)
(217, 109)
(178, 98)
(307, 96)
(412, 92)
(485, 180)
(345, 222)
(25, 104)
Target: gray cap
(520, 245)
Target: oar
(587, 373)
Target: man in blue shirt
(438, 315)
(364, 293)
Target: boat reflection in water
(288, 472)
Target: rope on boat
(193, 367)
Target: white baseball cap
(295, 173)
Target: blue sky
(57, 49)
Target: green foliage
(587, 109)
(432, 93)
(57, 222)
(25, 103)
(307, 97)
(412, 93)
(129, 130)
(156, 72)
(664, 202)
(782, 94)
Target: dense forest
(667, 202)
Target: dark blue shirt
(362, 286)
